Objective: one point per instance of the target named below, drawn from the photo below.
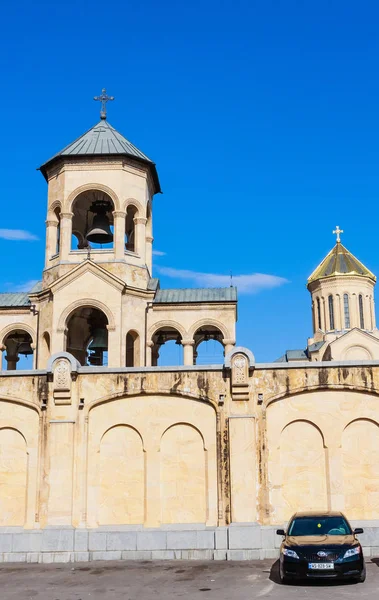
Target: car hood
(320, 540)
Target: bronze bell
(100, 340)
(100, 231)
(25, 349)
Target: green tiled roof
(188, 295)
(10, 299)
(15, 299)
(104, 140)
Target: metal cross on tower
(338, 231)
(103, 99)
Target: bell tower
(100, 192)
(342, 290)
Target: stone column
(229, 345)
(149, 253)
(149, 351)
(66, 231)
(12, 360)
(188, 352)
(373, 322)
(119, 234)
(140, 237)
(51, 240)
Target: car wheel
(362, 576)
(283, 579)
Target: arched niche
(183, 475)
(301, 470)
(13, 478)
(132, 349)
(360, 457)
(122, 477)
(130, 228)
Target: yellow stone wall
(161, 447)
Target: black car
(323, 545)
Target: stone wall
(149, 452)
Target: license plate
(321, 566)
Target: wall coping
(258, 366)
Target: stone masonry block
(81, 556)
(242, 555)
(370, 537)
(181, 540)
(219, 555)
(151, 540)
(122, 540)
(244, 537)
(5, 542)
(163, 555)
(32, 557)
(81, 540)
(267, 553)
(205, 540)
(221, 538)
(111, 555)
(14, 557)
(97, 541)
(57, 540)
(375, 551)
(197, 554)
(27, 542)
(136, 555)
(46, 557)
(268, 537)
(63, 557)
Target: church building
(107, 454)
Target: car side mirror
(358, 530)
(280, 532)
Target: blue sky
(262, 118)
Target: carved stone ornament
(240, 364)
(240, 370)
(62, 381)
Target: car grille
(313, 557)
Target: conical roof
(103, 140)
(339, 262)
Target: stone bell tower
(343, 310)
(100, 191)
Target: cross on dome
(103, 99)
(337, 232)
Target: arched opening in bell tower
(167, 349)
(87, 336)
(209, 347)
(18, 351)
(92, 221)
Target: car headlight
(290, 553)
(352, 552)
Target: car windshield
(319, 526)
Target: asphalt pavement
(168, 580)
